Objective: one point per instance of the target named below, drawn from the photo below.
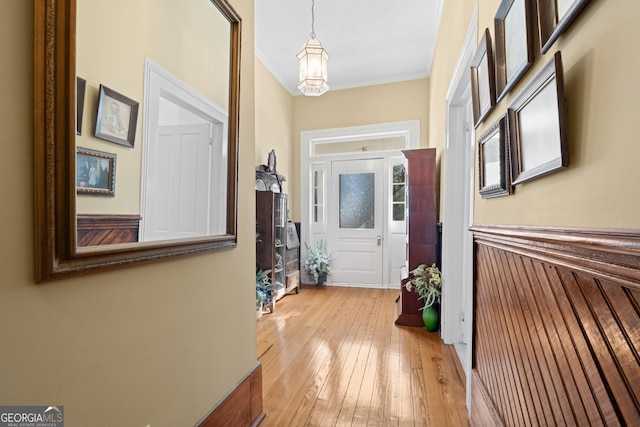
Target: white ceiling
(368, 41)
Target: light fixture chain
(313, 18)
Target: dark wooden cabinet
(271, 244)
(422, 233)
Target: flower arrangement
(427, 282)
(318, 261)
(263, 287)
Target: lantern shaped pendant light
(313, 64)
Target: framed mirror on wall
(201, 53)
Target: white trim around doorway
(311, 162)
(457, 210)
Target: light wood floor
(333, 357)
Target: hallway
(333, 356)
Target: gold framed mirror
(65, 128)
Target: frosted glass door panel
(357, 200)
(355, 221)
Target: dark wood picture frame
(81, 86)
(552, 25)
(117, 117)
(493, 158)
(538, 125)
(483, 86)
(514, 43)
(95, 172)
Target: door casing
(169, 101)
(310, 163)
(457, 210)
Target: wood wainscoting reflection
(95, 230)
(556, 326)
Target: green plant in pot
(264, 295)
(318, 263)
(427, 283)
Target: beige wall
(599, 187)
(368, 105)
(159, 344)
(195, 50)
(274, 124)
(455, 19)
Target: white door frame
(160, 83)
(309, 163)
(457, 195)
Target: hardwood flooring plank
(376, 415)
(335, 394)
(350, 400)
(392, 403)
(339, 350)
(334, 357)
(455, 396)
(315, 360)
(378, 325)
(445, 397)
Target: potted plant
(427, 283)
(318, 263)
(264, 295)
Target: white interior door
(356, 221)
(178, 179)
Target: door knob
(379, 240)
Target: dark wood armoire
(422, 233)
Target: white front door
(178, 189)
(356, 221)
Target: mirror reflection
(153, 120)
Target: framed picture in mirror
(483, 88)
(538, 117)
(514, 43)
(117, 117)
(555, 16)
(95, 172)
(493, 156)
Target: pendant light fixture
(313, 64)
